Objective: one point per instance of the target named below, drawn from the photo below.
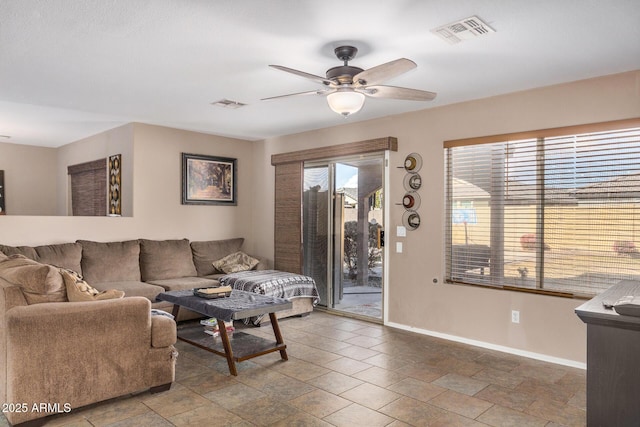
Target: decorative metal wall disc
(411, 219)
(413, 163)
(411, 200)
(412, 181)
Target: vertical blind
(89, 188)
(288, 217)
(555, 213)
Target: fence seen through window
(557, 213)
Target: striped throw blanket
(273, 283)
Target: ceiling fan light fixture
(345, 101)
(345, 86)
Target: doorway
(343, 217)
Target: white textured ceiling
(73, 68)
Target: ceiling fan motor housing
(343, 74)
(345, 53)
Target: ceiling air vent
(464, 29)
(226, 103)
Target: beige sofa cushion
(40, 283)
(165, 259)
(27, 251)
(79, 290)
(110, 261)
(132, 288)
(64, 255)
(204, 253)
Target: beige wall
(100, 146)
(158, 213)
(158, 187)
(36, 178)
(28, 176)
(548, 325)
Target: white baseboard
(482, 344)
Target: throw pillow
(79, 290)
(235, 262)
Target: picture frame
(209, 180)
(3, 210)
(115, 185)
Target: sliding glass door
(342, 225)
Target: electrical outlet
(515, 316)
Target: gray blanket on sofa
(273, 283)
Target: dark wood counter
(613, 359)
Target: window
(554, 211)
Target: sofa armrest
(163, 331)
(10, 296)
(75, 320)
(78, 352)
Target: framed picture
(208, 180)
(2, 205)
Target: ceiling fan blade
(308, 76)
(394, 92)
(383, 72)
(310, 92)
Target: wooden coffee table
(240, 305)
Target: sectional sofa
(79, 353)
(142, 268)
(57, 356)
(145, 267)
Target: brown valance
(546, 133)
(99, 164)
(348, 149)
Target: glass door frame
(330, 163)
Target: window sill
(526, 290)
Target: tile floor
(362, 300)
(346, 372)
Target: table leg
(278, 334)
(174, 312)
(222, 327)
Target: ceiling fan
(346, 86)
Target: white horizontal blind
(560, 214)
